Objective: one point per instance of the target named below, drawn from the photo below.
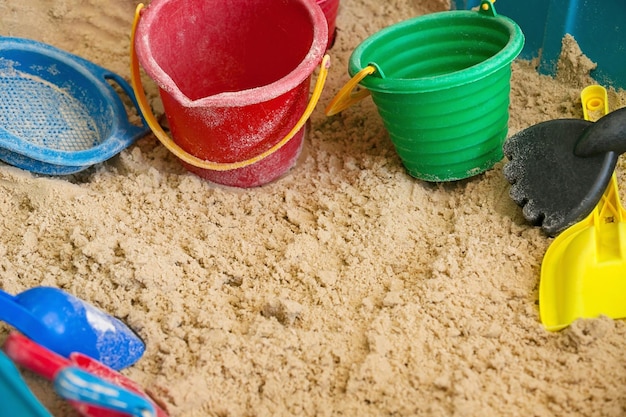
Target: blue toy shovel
(15, 396)
(75, 384)
(65, 324)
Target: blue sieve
(59, 113)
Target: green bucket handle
(486, 7)
(349, 95)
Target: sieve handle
(186, 156)
(347, 96)
(122, 122)
(128, 90)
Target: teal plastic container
(16, 397)
(441, 83)
(599, 28)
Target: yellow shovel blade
(583, 274)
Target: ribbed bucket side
(442, 90)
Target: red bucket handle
(164, 138)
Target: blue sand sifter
(59, 113)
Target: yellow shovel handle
(595, 102)
(346, 97)
(163, 137)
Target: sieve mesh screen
(44, 114)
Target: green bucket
(441, 83)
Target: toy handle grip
(33, 356)
(75, 384)
(347, 96)
(191, 159)
(595, 104)
(15, 314)
(608, 134)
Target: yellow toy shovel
(583, 274)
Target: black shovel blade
(554, 187)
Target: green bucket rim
(467, 75)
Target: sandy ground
(345, 288)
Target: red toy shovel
(46, 363)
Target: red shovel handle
(46, 363)
(33, 357)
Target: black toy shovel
(559, 169)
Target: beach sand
(345, 288)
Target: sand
(346, 288)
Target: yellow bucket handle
(346, 97)
(163, 137)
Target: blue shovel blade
(65, 324)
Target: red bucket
(234, 79)
(330, 9)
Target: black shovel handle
(606, 135)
